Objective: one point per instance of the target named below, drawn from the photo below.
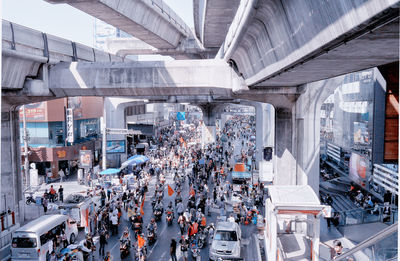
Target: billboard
(358, 169)
(361, 135)
(115, 146)
(85, 158)
(34, 111)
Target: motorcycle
(30, 199)
(124, 248)
(157, 214)
(137, 228)
(151, 237)
(202, 238)
(195, 250)
(141, 253)
(169, 217)
(153, 203)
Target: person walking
(103, 242)
(173, 250)
(61, 193)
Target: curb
(257, 247)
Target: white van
(33, 240)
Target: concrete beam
(188, 49)
(181, 78)
(151, 21)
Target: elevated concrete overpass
(289, 43)
(212, 20)
(151, 21)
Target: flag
(170, 191)
(181, 140)
(141, 241)
(192, 192)
(130, 212)
(141, 205)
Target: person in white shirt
(114, 222)
(231, 219)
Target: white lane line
(154, 246)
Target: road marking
(151, 251)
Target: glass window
(24, 242)
(226, 235)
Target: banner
(170, 191)
(85, 217)
(141, 241)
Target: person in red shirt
(52, 193)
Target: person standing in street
(45, 204)
(103, 242)
(173, 250)
(61, 193)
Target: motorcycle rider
(170, 209)
(126, 237)
(159, 205)
(180, 208)
(152, 226)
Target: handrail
(369, 241)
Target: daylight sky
(67, 22)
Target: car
(226, 242)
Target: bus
(34, 241)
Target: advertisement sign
(180, 116)
(115, 146)
(85, 158)
(34, 111)
(361, 135)
(358, 168)
(70, 125)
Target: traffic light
(268, 153)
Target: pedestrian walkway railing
(361, 216)
(381, 246)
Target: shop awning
(134, 161)
(110, 171)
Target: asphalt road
(160, 249)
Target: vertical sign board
(70, 125)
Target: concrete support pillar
(265, 134)
(210, 113)
(11, 176)
(297, 139)
(285, 156)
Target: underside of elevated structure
(212, 20)
(288, 43)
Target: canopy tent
(134, 161)
(241, 175)
(110, 171)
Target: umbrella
(134, 160)
(109, 171)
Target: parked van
(33, 241)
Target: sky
(67, 22)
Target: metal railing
(383, 243)
(362, 216)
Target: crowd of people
(199, 180)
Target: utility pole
(26, 154)
(104, 127)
